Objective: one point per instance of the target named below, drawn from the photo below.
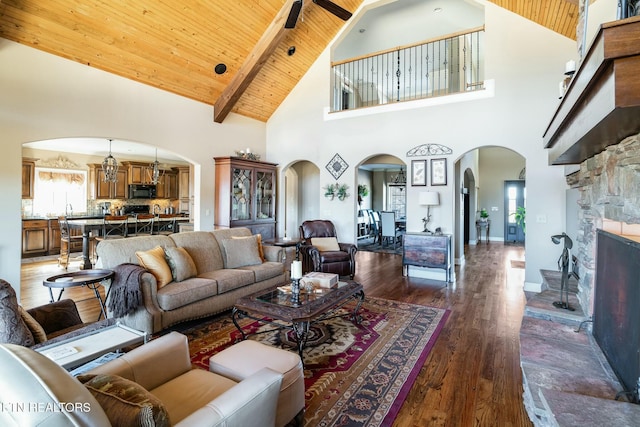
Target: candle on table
(296, 269)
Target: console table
(427, 250)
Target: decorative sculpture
(563, 265)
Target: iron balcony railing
(442, 66)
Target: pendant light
(154, 170)
(110, 167)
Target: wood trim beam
(252, 65)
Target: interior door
(514, 196)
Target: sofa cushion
(39, 335)
(113, 252)
(229, 279)
(125, 402)
(154, 261)
(191, 391)
(181, 264)
(179, 294)
(258, 238)
(241, 252)
(266, 270)
(13, 330)
(203, 248)
(325, 243)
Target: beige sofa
(151, 385)
(224, 269)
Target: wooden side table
(89, 278)
(427, 250)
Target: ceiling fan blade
(334, 8)
(296, 7)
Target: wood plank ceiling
(175, 44)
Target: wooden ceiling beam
(252, 64)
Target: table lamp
(428, 199)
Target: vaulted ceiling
(175, 45)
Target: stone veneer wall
(609, 185)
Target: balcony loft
(447, 65)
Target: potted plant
(330, 191)
(363, 191)
(519, 217)
(484, 215)
(342, 191)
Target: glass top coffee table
(298, 315)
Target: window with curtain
(59, 191)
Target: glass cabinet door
(264, 195)
(241, 194)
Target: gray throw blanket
(125, 294)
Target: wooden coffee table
(316, 306)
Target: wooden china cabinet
(246, 195)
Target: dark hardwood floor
(472, 376)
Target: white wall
(44, 97)
(525, 60)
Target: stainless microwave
(142, 191)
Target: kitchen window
(59, 191)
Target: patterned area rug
(355, 375)
(369, 245)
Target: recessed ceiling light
(220, 68)
(437, 10)
(291, 50)
(362, 30)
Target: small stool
(247, 357)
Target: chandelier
(401, 178)
(155, 173)
(110, 167)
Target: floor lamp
(428, 199)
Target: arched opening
(489, 179)
(384, 177)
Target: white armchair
(191, 397)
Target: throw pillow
(13, 330)
(241, 252)
(325, 243)
(154, 261)
(39, 335)
(126, 403)
(181, 264)
(258, 237)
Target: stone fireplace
(609, 185)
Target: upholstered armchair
(42, 325)
(321, 250)
(153, 384)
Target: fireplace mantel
(601, 106)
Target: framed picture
(438, 171)
(418, 172)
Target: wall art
(438, 171)
(337, 166)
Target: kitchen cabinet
(167, 187)
(427, 250)
(107, 190)
(137, 172)
(28, 177)
(246, 195)
(35, 237)
(184, 191)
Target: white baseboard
(532, 287)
